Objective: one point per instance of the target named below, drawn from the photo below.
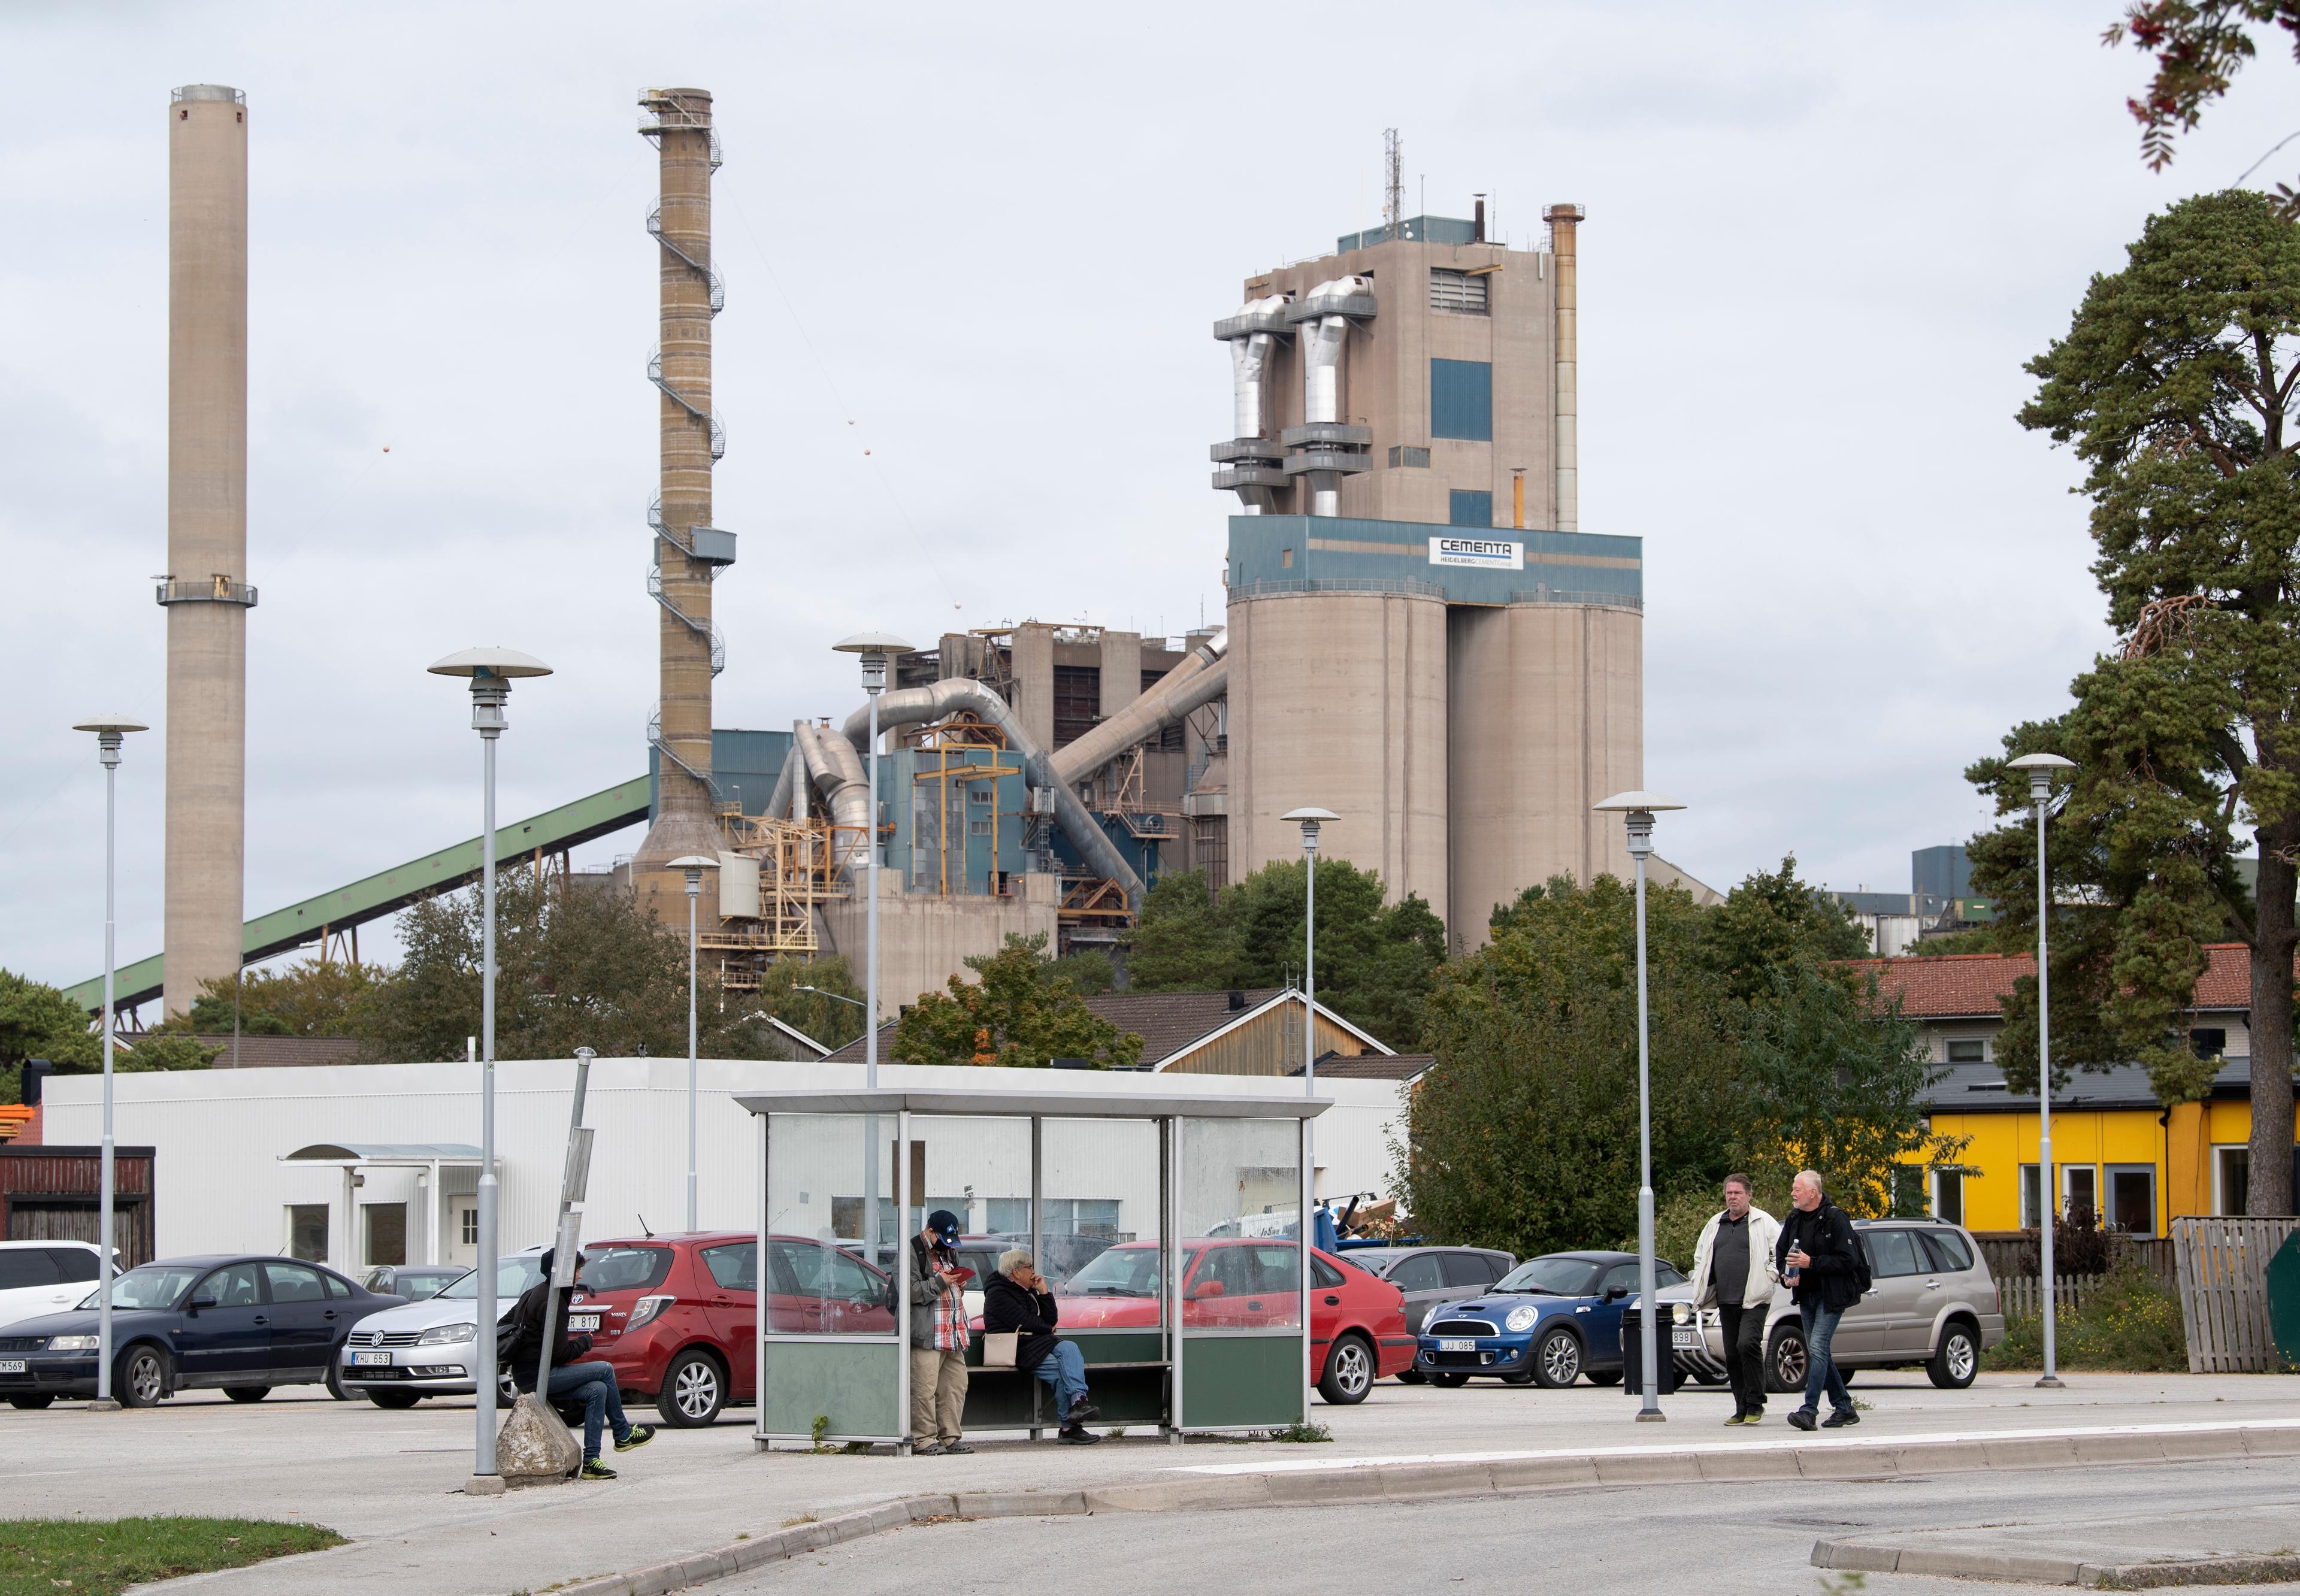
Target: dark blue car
(238, 1324)
(1549, 1321)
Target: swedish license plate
(371, 1359)
(582, 1321)
(12, 1366)
(1685, 1336)
(1457, 1346)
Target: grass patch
(1306, 1433)
(2128, 1324)
(39, 1557)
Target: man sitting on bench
(1016, 1299)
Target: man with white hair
(1016, 1299)
(1819, 1257)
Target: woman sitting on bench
(1016, 1299)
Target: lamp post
(492, 671)
(2040, 768)
(110, 731)
(1637, 809)
(694, 864)
(1309, 819)
(873, 647)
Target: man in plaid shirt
(937, 1338)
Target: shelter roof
(1052, 1105)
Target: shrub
(2127, 1324)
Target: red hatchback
(1357, 1322)
(677, 1315)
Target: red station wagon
(1357, 1322)
(677, 1315)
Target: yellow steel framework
(960, 735)
(801, 863)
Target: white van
(37, 1277)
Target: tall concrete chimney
(1564, 222)
(205, 592)
(689, 551)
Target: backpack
(1862, 1278)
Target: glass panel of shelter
(1239, 1197)
(825, 1176)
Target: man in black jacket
(1819, 1259)
(1017, 1299)
(591, 1384)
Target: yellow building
(2116, 1151)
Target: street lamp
(694, 864)
(1311, 819)
(110, 731)
(1637, 809)
(2040, 768)
(492, 671)
(819, 992)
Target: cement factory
(1419, 636)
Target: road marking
(1784, 1443)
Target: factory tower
(205, 592)
(688, 551)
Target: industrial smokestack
(1478, 222)
(689, 551)
(1564, 222)
(205, 591)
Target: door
(463, 1231)
(732, 1308)
(1421, 1277)
(231, 1343)
(30, 1284)
(1601, 1325)
(304, 1323)
(1892, 1321)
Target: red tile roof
(1970, 985)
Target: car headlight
(441, 1335)
(649, 1306)
(1523, 1318)
(73, 1344)
(1680, 1313)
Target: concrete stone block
(1538, 1474)
(533, 1447)
(2012, 1567)
(932, 1506)
(1855, 1554)
(1216, 1492)
(2270, 1444)
(2117, 1448)
(1845, 1462)
(1011, 1504)
(1408, 1481)
(1647, 1468)
(1747, 1464)
(1316, 1487)
(2041, 1451)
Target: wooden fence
(2013, 1254)
(2023, 1295)
(2223, 1280)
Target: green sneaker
(640, 1434)
(594, 1469)
(1736, 1420)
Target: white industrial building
(389, 1171)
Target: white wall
(219, 1137)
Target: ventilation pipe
(1330, 449)
(1252, 466)
(913, 706)
(1202, 677)
(789, 796)
(846, 790)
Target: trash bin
(1633, 1371)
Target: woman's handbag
(1000, 1347)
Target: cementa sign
(1488, 554)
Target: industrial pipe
(1202, 677)
(911, 706)
(844, 784)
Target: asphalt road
(1723, 1538)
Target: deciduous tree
(1019, 1014)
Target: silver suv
(1931, 1300)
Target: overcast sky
(972, 255)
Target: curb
(1346, 1484)
(1871, 1557)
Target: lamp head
(1310, 818)
(694, 864)
(2040, 768)
(109, 730)
(1636, 810)
(492, 671)
(873, 647)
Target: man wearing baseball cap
(937, 1338)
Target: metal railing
(211, 590)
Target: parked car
(239, 1325)
(1550, 1321)
(1931, 1301)
(1430, 1277)
(678, 1315)
(399, 1356)
(414, 1282)
(39, 1277)
(1358, 1320)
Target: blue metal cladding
(1462, 399)
(1468, 509)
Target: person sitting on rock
(592, 1384)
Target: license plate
(371, 1359)
(582, 1321)
(12, 1366)
(1686, 1337)
(1457, 1346)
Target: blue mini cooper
(1549, 1321)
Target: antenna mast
(1393, 209)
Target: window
(1892, 1253)
(735, 1266)
(1323, 1274)
(1462, 399)
(2032, 1198)
(73, 1265)
(293, 1283)
(2232, 1179)
(1908, 1192)
(1621, 1278)
(2208, 1043)
(1418, 1273)
(386, 1232)
(1969, 1051)
(1286, 558)
(1948, 1249)
(307, 1231)
(2132, 1198)
(1458, 292)
(1473, 1269)
(24, 1267)
(625, 1269)
(2079, 1191)
(1078, 701)
(980, 796)
(341, 1290)
(1468, 509)
(469, 1229)
(978, 829)
(1409, 454)
(232, 1287)
(1948, 1196)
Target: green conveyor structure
(375, 896)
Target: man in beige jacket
(1733, 1270)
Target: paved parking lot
(392, 1480)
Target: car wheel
(1517, 1379)
(335, 1384)
(1448, 1379)
(397, 1401)
(694, 1390)
(1557, 1359)
(1349, 1372)
(1602, 1377)
(142, 1377)
(1846, 1375)
(1956, 1360)
(30, 1403)
(247, 1394)
(1411, 1377)
(1785, 1359)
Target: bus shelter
(1168, 1226)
